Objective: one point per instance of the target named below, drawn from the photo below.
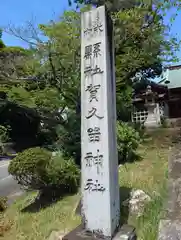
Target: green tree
(112, 5)
(62, 71)
(165, 4)
(16, 66)
(2, 45)
(141, 47)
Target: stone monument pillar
(99, 181)
(100, 188)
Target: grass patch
(39, 225)
(149, 174)
(149, 221)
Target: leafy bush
(128, 140)
(3, 204)
(4, 137)
(69, 138)
(63, 174)
(4, 133)
(30, 167)
(140, 128)
(37, 169)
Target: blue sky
(19, 11)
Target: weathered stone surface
(137, 201)
(78, 208)
(126, 232)
(79, 233)
(56, 235)
(169, 230)
(170, 227)
(99, 161)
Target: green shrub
(140, 128)
(63, 175)
(69, 138)
(4, 134)
(4, 137)
(128, 140)
(30, 167)
(37, 169)
(3, 204)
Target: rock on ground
(56, 235)
(137, 201)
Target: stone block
(126, 232)
(169, 230)
(56, 235)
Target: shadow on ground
(42, 201)
(124, 193)
(134, 157)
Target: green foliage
(69, 138)
(134, 38)
(63, 175)
(5, 224)
(4, 137)
(4, 134)
(3, 204)
(2, 45)
(142, 45)
(29, 167)
(128, 140)
(164, 122)
(21, 96)
(62, 73)
(15, 51)
(14, 64)
(47, 99)
(35, 168)
(124, 102)
(153, 213)
(111, 5)
(62, 70)
(139, 31)
(164, 5)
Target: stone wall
(170, 225)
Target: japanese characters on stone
(94, 26)
(93, 112)
(92, 186)
(92, 80)
(94, 134)
(96, 160)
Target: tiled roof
(172, 77)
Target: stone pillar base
(126, 232)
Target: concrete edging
(170, 225)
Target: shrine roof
(155, 87)
(172, 77)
